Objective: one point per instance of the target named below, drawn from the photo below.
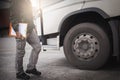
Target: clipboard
(22, 28)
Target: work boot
(33, 71)
(22, 76)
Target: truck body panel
(55, 11)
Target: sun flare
(35, 3)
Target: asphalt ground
(54, 66)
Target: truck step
(50, 47)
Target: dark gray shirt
(21, 11)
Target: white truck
(88, 30)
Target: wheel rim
(85, 46)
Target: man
(21, 12)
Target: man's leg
(34, 41)
(19, 55)
(19, 59)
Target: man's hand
(19, 36)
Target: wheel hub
(85, 46)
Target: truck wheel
(87, 46)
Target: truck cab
(88, 30)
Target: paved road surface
(54, 66)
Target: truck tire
(87, 46)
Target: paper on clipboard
(22, 28)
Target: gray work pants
(33, 40)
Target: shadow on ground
(54, 66)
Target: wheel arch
(94, 15)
